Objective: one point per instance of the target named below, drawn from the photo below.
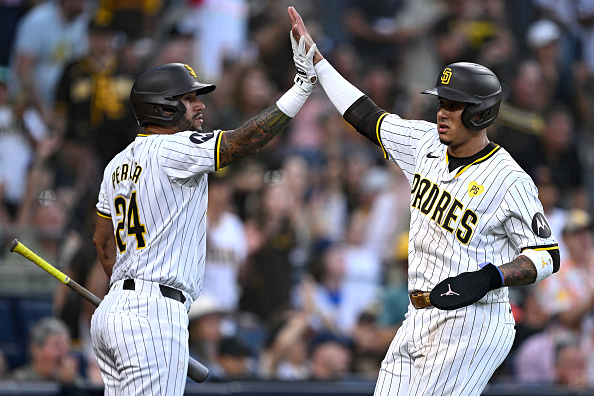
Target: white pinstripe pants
(438, 352)
(140, 340)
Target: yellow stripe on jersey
(218, 150)
(497, 147)
(377, 134)
(104, 216)
(542, 248)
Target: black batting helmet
(474, 84)
(154, 90)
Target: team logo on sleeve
(199, 138)
(475, 189)
(540, 226)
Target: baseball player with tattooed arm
(476, 228)
(150, 233)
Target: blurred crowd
(307, 241)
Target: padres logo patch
(540, 226)
(446, 75)
(475, 189)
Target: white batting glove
(306, 73)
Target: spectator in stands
(93, 113)
(251, 92)
(267, 278)
(135, 18)
(373, 30)
(205, 321)
(363, 267)
(570, 295)
(557, 148)
(369, 345)
(284, 354)
(330, 357)
(51, 357)
(521, 117)
(48, 36)
(234, 361)
(544, 38)
(548, 194)
(226, 245)
(335, 308)
(16, 153)
(571, 368)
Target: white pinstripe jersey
(487, 211)
(156, 194)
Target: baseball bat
(196, 370)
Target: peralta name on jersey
(126, 172)
(440, 206)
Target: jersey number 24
(130, 224)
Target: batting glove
(306, 73)
(466, 288)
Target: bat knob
(13, 245)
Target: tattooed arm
(469, 287)
(520, 271)
(532, 266)
(249, 138)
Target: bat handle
(197, 371)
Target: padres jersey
(486, 211)
(144, 191)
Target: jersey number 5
(129, 212)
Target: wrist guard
(466, 288)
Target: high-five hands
(306, 73)
(299, 30)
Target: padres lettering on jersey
(485, 211)
(439, 205)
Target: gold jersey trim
(478, 160)
(377, 134)
(104, 216)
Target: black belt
(166, 291)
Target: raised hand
(298, 29)
(306, 73)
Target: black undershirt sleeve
(556, 259)
(364, 115)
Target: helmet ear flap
(174, 106)
(475, 119)
(157, 112)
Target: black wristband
(495, 276)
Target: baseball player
(476, 227)
(150, 233)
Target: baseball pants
(438, 352)
(140, 339)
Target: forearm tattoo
(518, 272)
(249, 138)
